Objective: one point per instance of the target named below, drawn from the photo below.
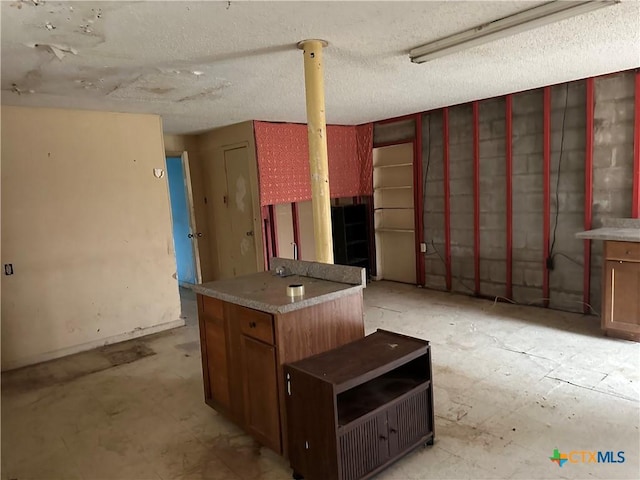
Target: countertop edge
(266, 307)
(612, 234)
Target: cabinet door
(621, 296)
(262, 413)
(409, 421)
(364, 446)
(216, 340)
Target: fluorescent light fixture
(513, 24)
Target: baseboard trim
(63, 352)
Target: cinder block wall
(433, 204)
(612, 161)
(612, 188)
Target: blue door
(181, 225)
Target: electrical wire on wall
(552, 255)
(424, 182)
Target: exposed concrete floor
(511, 384)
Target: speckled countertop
(267, 292)
(616, 229)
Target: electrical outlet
(423, 247)
(8, 268)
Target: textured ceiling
(205, 64)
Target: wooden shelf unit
(366, 413)
(350, 228)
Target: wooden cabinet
(366, 414)
(621, 290)
(243, 351)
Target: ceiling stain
(158, 90)
(213, 92)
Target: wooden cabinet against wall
(621, 290)
(243, 351)
(366, 414)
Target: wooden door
(409, 421)
(262, 413)
(240, 257)
(216, 339)
(394, 213)
(622, 296)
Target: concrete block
(603, 156)
(518, 239)
(491, 289)
(614, 87)
(624, 110)
(529, 254)
(535, 163)
(575, 117)
(527, 183)
(492, 220)
(528, 124)
(527, 295)
(498, 271)
(573, 161)
(435, 281)
(574, 139)
(566, 276)
(463, 220)
(461, 186)
(622, 156)
(614, 178)
(569, 202)
(434, 266)
(390, 132)
(528, 143)
(461, 152)
(461, 249)
(527, 102)
(491, 148)
(570, 302)
(614, 134)
(519, 163)
(434, 204)
(492, 203)
(533, 278)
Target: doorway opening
(185, 236)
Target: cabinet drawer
(255, 324)
(626, 251)
(212, 307)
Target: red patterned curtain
(283, 161)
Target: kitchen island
(250, 327)
(620, 277)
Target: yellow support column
(318, 160)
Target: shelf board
(395, 230)
(394, 165)
(356, 242)
(365, 398)
(403, 187)
(356, 260)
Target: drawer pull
(252, 325)
(628, 252)
(383, 438)
(393, 430)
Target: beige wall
(86, 225)
(210, 153)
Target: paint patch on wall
(244, 246)
(241, 193)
